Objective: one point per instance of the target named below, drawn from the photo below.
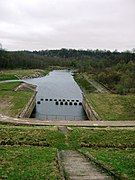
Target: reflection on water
(58, 97)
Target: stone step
(77, 167)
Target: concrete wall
(91, 114)
(26, 113)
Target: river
(58, 97)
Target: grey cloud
(44, 24)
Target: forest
(115, 70)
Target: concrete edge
(61, 168)
(90, 111)
(29, 107)
(105, 167)
(16, 121)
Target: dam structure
(58, 97)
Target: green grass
(29, 152)
(118, 160)
(86, 137)
(83, 83)
(10, 86)
(18, 97)
(20, 73)
(113, 106)
(28, 162)
(7, 77)
(46, 72)
(35, 136)
(10, 99)
(75, 139)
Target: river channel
(58, 97)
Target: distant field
(20, 73)
(12, 103)
(112, 106)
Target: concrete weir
(91, 114)
(27, 111)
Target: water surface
(58, 86)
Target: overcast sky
(80, 24)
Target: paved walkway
(77, 167)
(6, 119)
(97, 85)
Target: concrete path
(77, 167)
(6, 119)
(98, 86)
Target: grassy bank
(106, 137)
(10, 100)
(75, 139)
(109, 106)
(28, 162)
(21, 73)
(32, 149)
(117, 160)
(113, 106)
(83, 83)
(35, 136)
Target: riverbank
(22, 74)
(15, 97)
(110, 107)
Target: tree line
(115, 69)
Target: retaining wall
(26, 113)
(91, 114)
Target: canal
(58, 97)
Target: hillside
(116, 70)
